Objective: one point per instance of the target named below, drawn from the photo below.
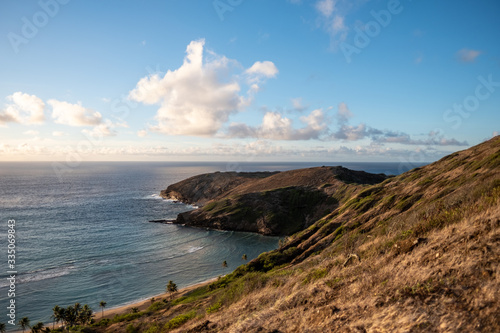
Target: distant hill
(419, 252)
(279, 203)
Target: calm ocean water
(85, 237)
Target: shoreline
(141, 304)
(145, 303)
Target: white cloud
(332, 19)
(277, 127)
(24, 109)
(73, 114)
(198, 97)
(260, 70)
(106, 128)
(326, 7)
(467, 55)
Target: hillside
(419, 252)
(280, 203)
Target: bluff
(279, 203)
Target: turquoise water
(85, 236)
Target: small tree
(2, 328)
(24, 322)
(171, 288)
(134, 309)
(37, 328)
(244, 257)
(102, 304)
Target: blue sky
(288, 80)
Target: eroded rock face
(270, 203)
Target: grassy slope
(429, 244)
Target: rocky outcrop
(279, 203)
(198, 190)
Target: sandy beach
(144, 304)
(141, 305)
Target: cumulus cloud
(277, 127)
(434, 138)
(73, 114)
(347, 132)
(104, 129)
(24, 109)
(261, 70)
(198, 97)
(467, 55)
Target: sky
(247, 80)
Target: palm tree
(24, 322)
(70, 315)
(134, 309)
(171, 287)
(60, 315)
(2, 328)
(102, 304)
(56, 315)
(37, 327)
(85, 315)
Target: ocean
(82, 233)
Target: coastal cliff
(269, 203)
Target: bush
(131, 329)
(214, 307)
(127, 317)
(156, 306)
(153, 329)
(179, 320)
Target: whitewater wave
(194, 249)
(39, 275)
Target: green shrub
(131, 329)
(315, 275)
(214, 307)
(153, 329)
(180, 320)
(156, 306)
(127, 317)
